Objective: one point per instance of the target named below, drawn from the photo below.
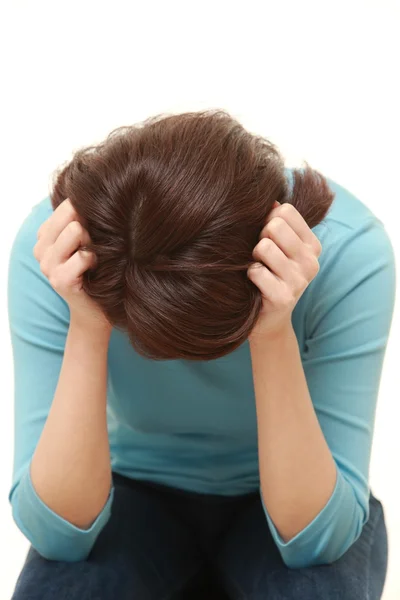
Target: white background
(318, 78)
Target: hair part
(174, 206)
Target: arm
(61, 493)
(297, 470)
(70, 468)
(316, 412)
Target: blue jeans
(166, 544)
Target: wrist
(99, 329)
(260, 338)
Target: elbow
(304, 562)
(311, 560)
(330, 535)
(56, 553)
(53, 537)
(329, 548)
(59, 554)
(50, 545)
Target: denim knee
(42, 579)
(317, 583)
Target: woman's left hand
(287, 256)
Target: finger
(50, 230)
(284, 237)
(266, 281)
(80, 262)
(70, 239)
(268, 253)
(292, 216)
(68, 274)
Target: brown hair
(174, 206)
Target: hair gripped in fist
(63, 260)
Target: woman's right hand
(63, 262)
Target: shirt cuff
(328, 535)
(51, 535)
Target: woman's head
(174, 206)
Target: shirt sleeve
(39, 321)
(351, 303)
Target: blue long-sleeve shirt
(193, 424)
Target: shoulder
(349, 224)
(347, 215)
(31, 299)
(351, 234)
(357, 258)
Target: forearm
(70, 468)
(297, 470)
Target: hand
(287, 256)
(63, 262)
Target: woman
(198, 338)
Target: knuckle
(40, 231)
(75, 228)
(317, 266)
(54, 281)
(86, 257)
(36, 251)
(265, 245)
(287, 208)
(254, 269)
(261, 249)
(318, 247)
(276, 223)
(315, 246)
(44, 267)
(312, 265)
(263, 232)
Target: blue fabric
(192, 425)
(167, 543)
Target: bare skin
(70, 468)
(297, 469)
